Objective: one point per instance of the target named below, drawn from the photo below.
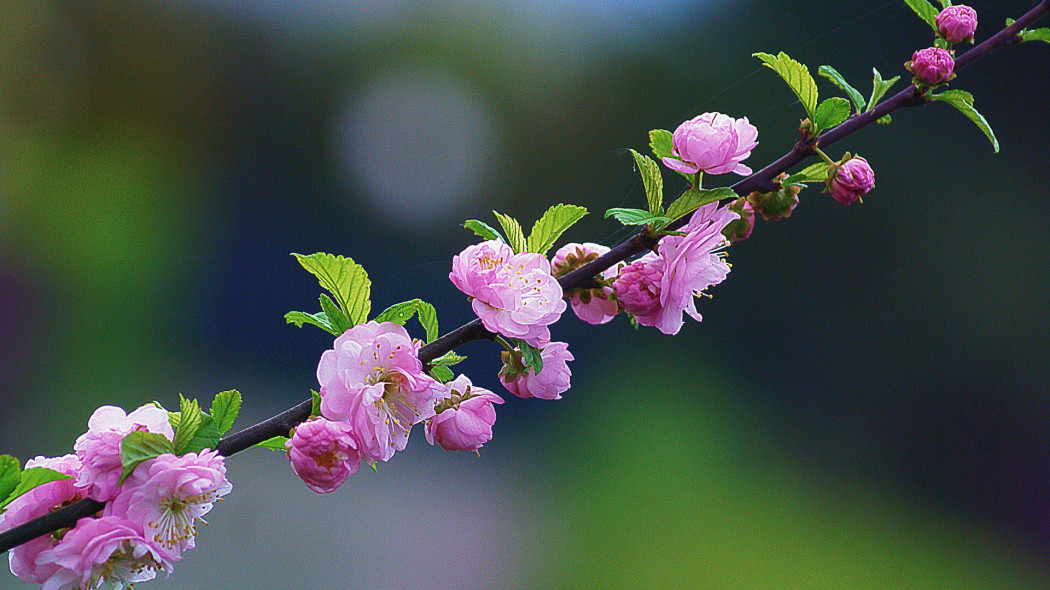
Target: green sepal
(138, 446)
(190, 422)
(319, 319)
(442, 374)
(29, 479)
(483, 230)
(963, 102)
(531, 356)
(813, 173)
(225, 408)
(375, 467)
(315, 403)
(448, 359)
(831, 112)
(879, 88)
(551, 225)
(346, 280)
(693, 198)
(401, 313)
(636, 216)
(338, 320)
(652, 180)
(274, 444)
(836, 78)
(511, 227)
(797, 77)
(10, 475)
(926, 11)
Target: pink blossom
(638, 288)
(594, 306)
(713, 143)
(109, 551)
(33, 504)
(99, 448)
(957, 24)
(67, 464)
(851, 180)
(513, 294)
(464, 416)
(165, 497)
(553, 379)
(323, 454)
(373, 379)
(932, 65)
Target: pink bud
(552, 381)
(464, 417)
(638, 287)
(594, 306)
(957, 24)
(323, 453)
(932, 65)
(713, 143)
(851, 180)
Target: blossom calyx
(932, 66)
(740, 229)
(850, 179)
(957, 24)
(776, 204)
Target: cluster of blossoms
(149, 518)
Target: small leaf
(482, 229)
(1040, 34)
(399, 313)
(31, 478)
(139, 446)
(832, 112)
(797, 77)
(189, 424)
(512, 228)
(551, 225)
(10, 475)
(428, 318)
(884, 120)
(652, 180)
(442, 374)
(225, 408)
(274, 444)
(879, 88)
(925, 10)
(315, 407)
(314, 319)
(448, 359)
(340, 323)
(836, 78)
(531, 356)
(694, 198)
(207, 437)
(660, 142)
(635, 216)
(963, 102)
(345, 279)
(812, 173)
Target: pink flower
(713, 143)
(67, 464)
(99, 448)
(513, 294)
(957, 24)
(932, 65)
(165, 497)
(851, 180)
(373, 379)
(464, 417)
(594, 306)
(323, 454)
(553, 379)
(33, 504)
(108, 551)
(638, 288)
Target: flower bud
(464, 417)
(594, 306)
(777, 204)
(740, 228)
(932, 66)
(956, 24)
(850, 180)
(323, 453)
(713, 143)
(638, 286)
(553, 379)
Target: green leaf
(189, 424)
(428, 318)
(635, 216)
(812, 173)
(797, 77)
(884, 120)
(836, 78)
(448, 359)
(139, 446)
(207, 437)
(879, 88)
(660, 142)
(925, 10)
(225, 408)
(340, 323)
(694, 198)
(945, 3)
(314, 319)
(549, 227)
(963, 102)
(512, 228)
(531, 356)
(442, 374)
(10, 475)
(482, 229)
(346, 280)
(31, 478)
(400, 313)
(1040, 34)
(832, 112)
(274, 444)
(653, 181)
(315, 407)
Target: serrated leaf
(812, 173)
(879, 88)
(797, 77)
(1040, 34)
(345, 279)
(189, 424)
(31, 478)
(340, 323)
(836, 78)
(274, 444)
(400, 313)
(694, 198)
(660, 143)
(551, 225)
(207, 437)
(511, 227)
(652, 180)
(314, 319)
(963, 102)
(225, 408)
(482, 229)
(315, 405)
(448, 359)
(925, 10)
(139, 446)
(831, 112)
(173, 419)
(442, 374)
(428, 318)
(635, 216)
(10, 475)
(531, 356)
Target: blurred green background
(864, 406)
